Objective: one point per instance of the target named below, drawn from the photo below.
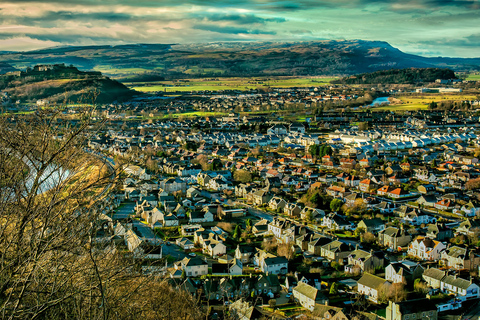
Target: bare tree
(56, 257)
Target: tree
(368, 237)
(237, 232)
(335, 265)
(248, 224)
(336, 204)
(334, 288)
(242, 176)
(363, 126)
(472, 184)
(272, 303)
(286, 250)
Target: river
(379, 101)
(50, 178)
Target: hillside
(400, 76)
(59, 83)
(143, 62)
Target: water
(50, 178)
(379, 101)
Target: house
(425, 248)
(424, 309)
(275, 265)
(316, 244)
(399, 193)
(439, 231)
(312, 214)
(194, 267)
(276, 204)
(366, 185)
(365, 261)
(336, 251)
(292, 210)
(277, 129)
(243, 310)
(372, 225)
(426, 189)
(334, 221)
(235, 268)
(393, 238)
(468, 210)
(193, 193)
(244, 253)
(308, 296)
(372, 286)
(185, 243)
(259, 197)
(200, 216)
(469, 227)
(459, 258)
(214, 248)
(461, 288)
(189, 229)
(433, 277)
(404, 271)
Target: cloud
(241, 19)
(433, 26)
(232, 30)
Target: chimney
(371, 252)
(356, 246)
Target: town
(344, 215)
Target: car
(288, 295)
(227, 303)
(168, 243)
(191, 254)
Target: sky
(449, 28)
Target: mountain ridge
(301, 58)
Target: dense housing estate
(314, 215)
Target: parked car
(191, 254)
(288, 295)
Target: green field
(218, 84)
(473, 77)
(427, 98)
(402, 107)
(421, 101)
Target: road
(472, 314)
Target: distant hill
(5, 67)
(400, 76)
(59, 83)
(146, 61)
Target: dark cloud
(232, 30)
(236, 18)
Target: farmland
(228, 84)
